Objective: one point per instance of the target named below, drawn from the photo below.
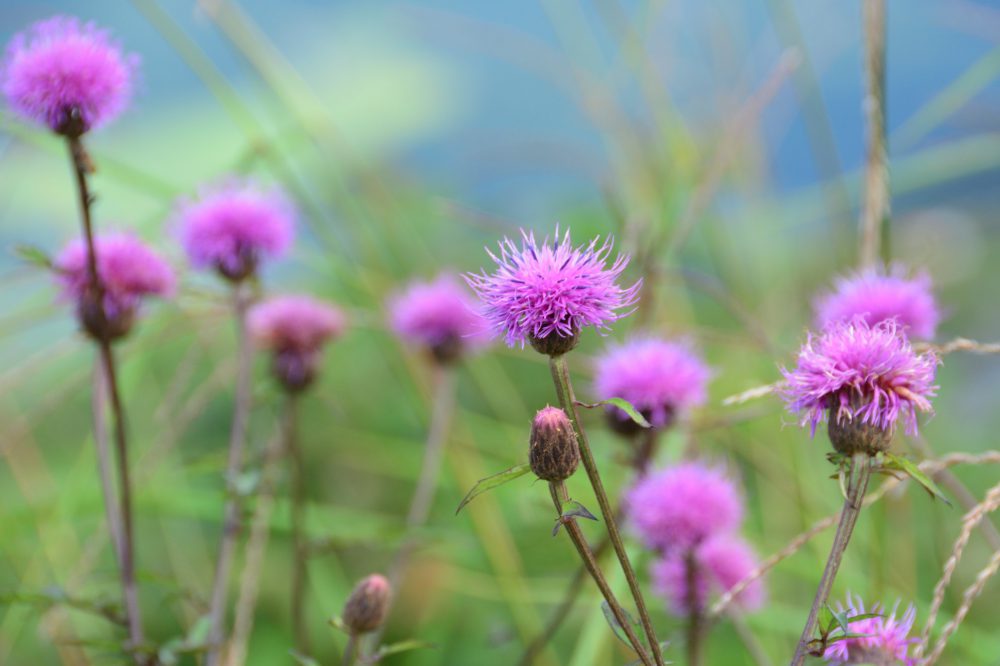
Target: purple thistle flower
(440, 315)
(552, 289)
(877, 295)
(886, 638)
(68, 76)
(294, 329)
(660, 378)
(720, 563)
(128, 270)
(233, 226)
(681, 506)
(866, 373)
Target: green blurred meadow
(721, 146)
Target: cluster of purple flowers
(689, 513)
(862, 369)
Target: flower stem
(645, 450)
(237, 444)
(126, 548)
(442, 409)
(350, 650)
(564, 390)
(695, 625)
(300, 570)
(559, 495)
(859, 474)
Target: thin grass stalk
(875, 208)
(968, 597)
(300, 538)
(231, 515)
(859, 475)
(112, 511)
(567, 400)
(82, 166)
(559, 497)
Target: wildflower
(864, 379)
(882, 640)
(68, 76)
(294, 329)
(554, 453)
(439, 315)
(719, 563)
(234, 226)
(545, 294)
(660, 378)
(680, 506)
(128, 271)
(368, 605)
(876, 295)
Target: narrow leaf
(616, 627)
(577, 510)
(396, 648)
(906, 466)
(491, 482)
(303, 660)
(621, 404)
(34, 255)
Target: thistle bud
(554, 453)
(850, 436)
(368, 604)
(295, 370)
(102, 322)
(554, 344)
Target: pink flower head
(682, 505)
(298, 323)
(68, 76)
(552, 289)
(862, 372)
(232, 227)
(128, 271)
(877, 295)
(440, 315)
(660, 378)
(720, 563)
(294, 329)
(886, 638)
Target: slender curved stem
(644, 452)
(350, 650)
(695, 625)
(442, 410)
(126, 548)
(564, 390)
(300, 541)
(559, 496)
(860, 473)
(237, 444)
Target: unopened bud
(554, 344)
(554, 454)
(368, 605)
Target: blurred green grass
(485, 578)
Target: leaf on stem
(898, 463)
(575, 510)
(621, 404)
(491, 482)
(34, 255)
(303, 660)
(395, 648)
(616, 627)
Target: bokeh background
(720, 142)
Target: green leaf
(616, 627)
(576, 510)
(621, 404)
(34, 255)
(826, 618)
(491, 482)
(906, 466)
(197, 635)
(396, 648)
(338, 623)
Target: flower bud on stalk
(368, 605)
(554, 454)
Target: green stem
(564, 390)
(559, 497)
(300, 570)
(350, 650)
(860, 473)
